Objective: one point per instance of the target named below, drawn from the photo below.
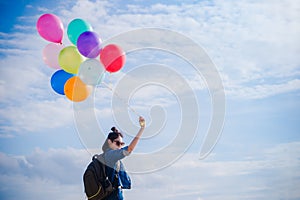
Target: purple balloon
(89, 44)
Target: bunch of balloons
(85, 53)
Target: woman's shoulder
(116, 154)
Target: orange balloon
(76, 90)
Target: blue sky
(255, 48)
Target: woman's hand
(142, 122)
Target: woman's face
(116, 144)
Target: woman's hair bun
(114, 130)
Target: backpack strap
(118, 166)
(98, 159)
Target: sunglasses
(118, 143)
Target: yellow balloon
(70, 59)
(76, 90)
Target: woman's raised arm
(138, 135)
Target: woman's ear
(109, 141)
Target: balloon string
(119, 97)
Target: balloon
(112, 57)
(50, 28)
(50, 55)
(76, 90)
(58, 81)
(70, 59)
(75, 28)
(91, 71)
(89, 44)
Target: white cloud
(252, 43)
(271, 175)
(28, 103)
(249, 41)
(58, 173)
(264, 90)
(35, 116)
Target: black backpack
(96, 183)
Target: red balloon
(112, 57)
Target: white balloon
(91, 71)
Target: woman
(113, 153)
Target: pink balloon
(51, 53)
(50, 28)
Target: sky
(254, 48)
